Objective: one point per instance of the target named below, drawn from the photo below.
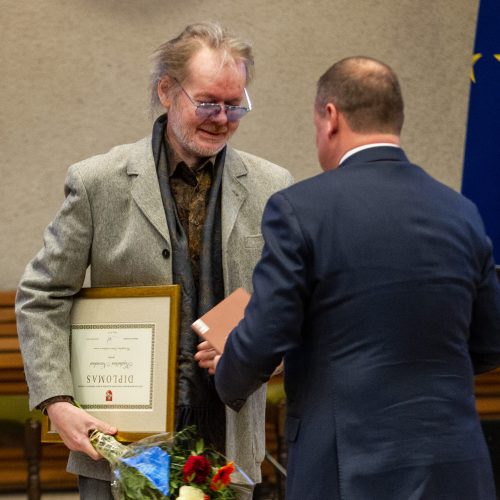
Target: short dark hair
(366, 91)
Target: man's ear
(164, 89)
(333, 118)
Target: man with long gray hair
(180, 206)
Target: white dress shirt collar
(366, 146)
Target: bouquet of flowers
(168, 466)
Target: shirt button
(166, 253)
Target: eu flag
(481, 176)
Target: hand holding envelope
(207, 356)
(215, 326)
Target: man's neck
(355, 141)
(364, 147)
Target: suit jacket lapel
(145, 189)
(234, 192)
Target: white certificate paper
(112, 365)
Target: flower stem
(107, 446)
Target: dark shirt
(190, 189)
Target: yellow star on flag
(497, 57)
(475, 59)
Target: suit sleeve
(273, 319)
(45, 295)
(484, 341)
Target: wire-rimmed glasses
(207, 110)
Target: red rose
(196, 469)
(222, 477)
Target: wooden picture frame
(124, 358)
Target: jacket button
(166, 253)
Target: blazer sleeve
(484, 340)
(45, 295)
(273, 318)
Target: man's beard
(186, 139)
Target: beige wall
(74, 77)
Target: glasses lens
(235, 114)
(207, 110)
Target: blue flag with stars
(481, 176)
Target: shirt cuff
(56, 399)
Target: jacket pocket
(292, 428)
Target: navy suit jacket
(377, 285)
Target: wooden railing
(22, 456)
(488, 390)
(488, 394)
(11, 364)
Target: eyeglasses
(207, 110)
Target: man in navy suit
(377, 285)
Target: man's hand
(73, 425)
(207, 357)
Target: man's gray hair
(172, 57)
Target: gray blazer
(113, 220)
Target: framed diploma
(123, 346)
